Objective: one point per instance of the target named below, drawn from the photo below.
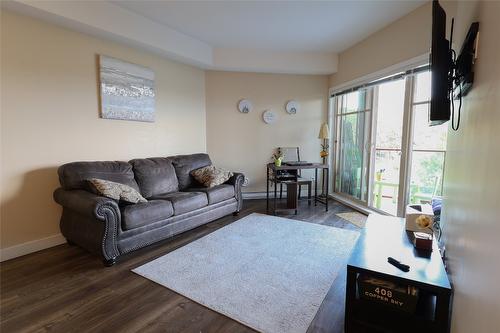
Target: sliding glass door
(387, 147)
(428, 149)
(353, 120)
(385, 153)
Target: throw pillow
(211, 176)
(115, 191)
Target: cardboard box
(413, 212)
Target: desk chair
(292, 154)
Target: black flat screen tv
(441, 64)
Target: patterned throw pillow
(211, 176)
(115, 191)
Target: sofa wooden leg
(236, 213)
(109, 262)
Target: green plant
(430, 168)
(352, 157)
(278, 155)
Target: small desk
(386, 236)
(273, 169)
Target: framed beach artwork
(127, 90)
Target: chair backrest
(290, 154)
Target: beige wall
(400, 41)
(471, 211)
(243, 142)
(49, 116)
(406, 38)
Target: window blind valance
(393, 77)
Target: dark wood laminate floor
(65, 289)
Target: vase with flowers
(324, 150)
(423, 240)
(278, 158)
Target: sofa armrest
(237, 181)
(90, 220)
(85, 203)
(236, 178)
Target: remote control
(403, 267)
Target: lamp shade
(324, 132)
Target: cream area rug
(267, 272)
(358, 219)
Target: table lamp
(324, 134)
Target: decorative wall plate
(269, 117)
(245, 106)
(292, 107)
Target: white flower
(424, 221)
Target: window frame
(406, 143)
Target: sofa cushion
(184, 202)
(115, 191)
(138, 215)
(73, 176)
(217, 193)
(211, 176)
(184, 164)
(155, 175)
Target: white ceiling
(296, 37)
(326, 26)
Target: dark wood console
(384, 237)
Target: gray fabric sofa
(176, 203)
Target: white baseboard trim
(262, 195)
(30, 247)
(255, 195)
(354, 205)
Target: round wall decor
(269, 117)
(245, 106)
(292, 107)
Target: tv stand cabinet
(384, 237)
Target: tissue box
(413, 212)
